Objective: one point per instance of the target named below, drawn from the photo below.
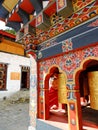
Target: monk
(53, 92)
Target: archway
(86, 78)
(55, 94)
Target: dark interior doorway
(89, 113)
(24, 80)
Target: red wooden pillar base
(74, 113)
(41, 107)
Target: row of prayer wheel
(93, 89)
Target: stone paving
(14, 115)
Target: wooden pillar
(33, 93)
(41, 104)
(74, 109)
(46, 104)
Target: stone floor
(59, 119)
(14, 113)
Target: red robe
(53, 97)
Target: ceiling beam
(24, 16)
(38, 6)
(15, 25)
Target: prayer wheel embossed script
(62, 91)
(93, 87)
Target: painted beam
(24, 16)
(37, 5)
(15, 25)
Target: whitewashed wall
(14, 65)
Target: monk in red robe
(53, 92)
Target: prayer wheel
(93, 87)
(62, 91)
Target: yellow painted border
(83, 65)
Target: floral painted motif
(68, 62)
(67, 45)
(95, 50)
(94, 24)
(81, 3)
(33, 92)
(39, 19)
(83, 11)
(88, 52)
(59, 24)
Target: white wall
(14, 65)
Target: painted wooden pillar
(43, 98)
(40, 93)
(41, 104)
(46, 101)
(33, 93)
(74, 108)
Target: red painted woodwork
(47, 96)
(75, 114)
(3, 33)
(46, 104)
(51, 9)
(15, 17)
(27, 6)
(33, 22)
(41, 108)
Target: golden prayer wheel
(62, 91)
(93, 87)
(85, 84)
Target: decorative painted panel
(67, 62)
(42, 21)
(75, 39)
(33, 92)
(64, 7)
(28, 29)
(60, 25)
(79, 4)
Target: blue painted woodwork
(80, 36)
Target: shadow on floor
(59, 116)
(90, 117)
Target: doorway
(88, 82)
(56, 96)
(25, 78)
